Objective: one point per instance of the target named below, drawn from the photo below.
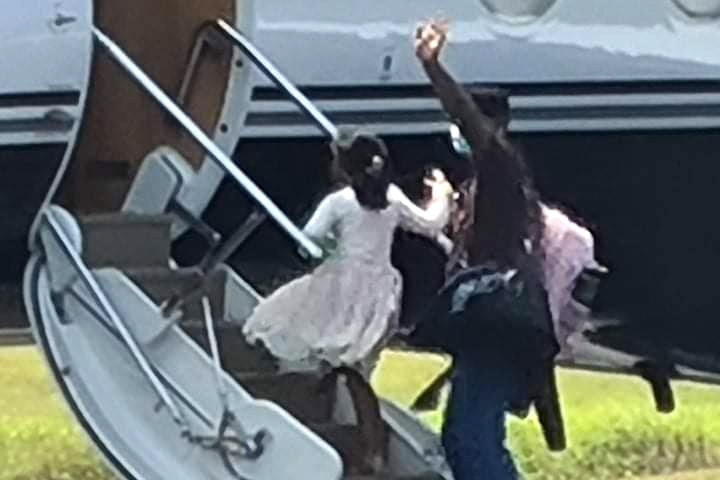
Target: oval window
(518, 10)
(700, 8)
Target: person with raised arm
(493, 316)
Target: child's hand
(439, 186)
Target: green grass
(703, 475)
(613, 430)
(38, 439)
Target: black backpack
(491, 315)
(485, 307)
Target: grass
(38, 440)
(613, 430)
(704, 475)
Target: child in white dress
(342, 314)
(343, 311)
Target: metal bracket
(242, 444)
(221, 253)
(215, 256)
(212, 237)
(205, 37)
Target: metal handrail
(267, 67)
(109, 311)
(222, 29)
(144, 81)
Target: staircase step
(162, 283)
(348, 440)
(238, 357)
(350, 443)
(390, 476)
(126, 240)
(303, 395)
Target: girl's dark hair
(362, 161)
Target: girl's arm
(323, 222)
(429, 221)
(325, 217)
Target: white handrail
(107, 309)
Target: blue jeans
(474, 430)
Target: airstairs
(150, 357)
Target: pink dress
(343, 312)
(569, 248)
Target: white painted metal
(95, 368)
(44, 49)
(602, 42)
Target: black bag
(490, 315)
(486, 308)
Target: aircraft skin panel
(558, 66)
(45, 53)
(603, 40)
(43, 46)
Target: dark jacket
(421, 262)
(493, 319)
(485, 316)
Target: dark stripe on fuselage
(40, 99)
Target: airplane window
(700, 8)
(518, 10)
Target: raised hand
(430, 38)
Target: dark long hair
(361, 160)
(507, 210)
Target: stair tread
(391, 476)
(162, 283)
(114, 217)
(303, 395)
(160, 271)
(348, 440)
(237, 356)
(125, 240)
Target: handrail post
(222, 159)
(266, 66)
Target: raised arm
(456, 100)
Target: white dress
(344, 311)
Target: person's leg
(356, 394)
(474, 432)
